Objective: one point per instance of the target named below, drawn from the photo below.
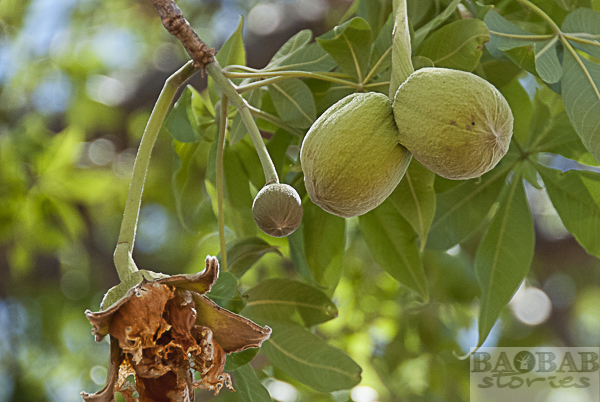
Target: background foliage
(77, 82)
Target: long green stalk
(122, 256)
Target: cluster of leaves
(424, 212)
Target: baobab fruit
(277, 209)
(455, 123)
(351, 157)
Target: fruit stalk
(122, 257)
(401, 50)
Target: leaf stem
(123, 253)
(220, 152)
(214, 70)
(279, 75)
(532, 37)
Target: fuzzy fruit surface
(277, 210)
(455, 123)
(351, 157)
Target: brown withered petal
(201, 283)
(233, 332)
(162, 330)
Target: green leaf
(238, 214)
(375, 12)
(521, 107)
(583, 27)
(309, 58)
(232, 51)
(575, 195)
(225, 293)
(282, 299)
(180, 122)
(517, 42)
(552, 131)
(204, 113)
(293, 44)
(310, 360)
(381, 50)
(296, 54)
(422, 32)
(244, 252)
(249, 386)
(298, 255)
(581, 96)
(415, 197)
(461, 211)
(504, 255)
(547, 63)
(192, 203)
(239, 359)
(238, 128)
(324, 239)
(350, 45)
(294, 102)
(457, 45)
(393, 244)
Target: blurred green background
(78, 79)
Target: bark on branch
(173, 20)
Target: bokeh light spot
(531, 305)
(264, 19)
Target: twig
(173, 20)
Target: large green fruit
(455, 123)
(351, 157)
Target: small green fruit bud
(277, 210)
(456, 124)
(351, 157)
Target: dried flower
(162, 330)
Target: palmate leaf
(583, 29)
(504, 254)
(293, 44)
(350, 45)
(294, 102)
(517, 42)
(575, 195)
(381, 50)
(296, 54)
(581, 96)
(393, 244)
(310, 360)
(422, 32)
(457, 45)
